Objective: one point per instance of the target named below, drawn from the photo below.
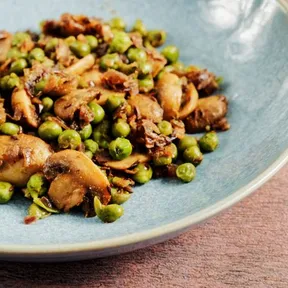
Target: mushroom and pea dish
(88, 109)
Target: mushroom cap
(80, 175)
(20, 157)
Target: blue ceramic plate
(245, 42)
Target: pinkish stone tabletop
(246, 246)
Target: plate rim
(161, 231)
(8, 250)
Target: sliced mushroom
(62, 53)
(56, 83)
(120, 82)
(20, 157)
(59, 84)
(171, 96)
(104, 94)
(92, 77)
(23, 108)
(209, 114)
(128, 162)
(2, 112)
(73, 174)
(81, 66)
(147, 107)
(66, 106)
(157, 61)
(5, 44)
(204, 81)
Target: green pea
(193, 155)
(171, 53)
(112, 61)
(69, 139)
(186, 172)
(19, 38)
(37, 185)
(80, 49)
(143, 173)
(49, 130)
(6, 192)
(92, 42)
(145, 68)
(18, 66)
(120, 42)
(9, 82)
(91, 146)
(15, 53)
(101, 134)
(119, 196)
(209, 142)
(113, 102)
(69, 40)
(51, 45)
(117, 23)
(47, 103)
(165, 127)
(109, 213)
(97, 111)
(136, 54)
(120, 129)
(8, 128)
(37, 212)
(120, 148)
(45, 115)
(179, 66)
(156, 37)
(140, 27)
(186, 142)
(127, 68)
(86, 132)
(40, 85)
(174, 151)
(37, 54)
(89, 154)
(162, 160)
(146, 84)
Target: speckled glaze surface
(244, 41)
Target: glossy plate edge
(88, 250)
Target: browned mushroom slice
(210, 113)
(23, 108)
(190, 101)
(120, 82)
(56, 83)
(170, 95)
(73, 25)
(62, 53)
(2, 112)
(66, 106)
(5, 44)
(81, 66)
(157, 60)
(147, 107)
(128, 162)
(204, 81)
(20, 157)
(73, 174)
(93, 77)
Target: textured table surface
(246, 246)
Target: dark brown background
(246, 246)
